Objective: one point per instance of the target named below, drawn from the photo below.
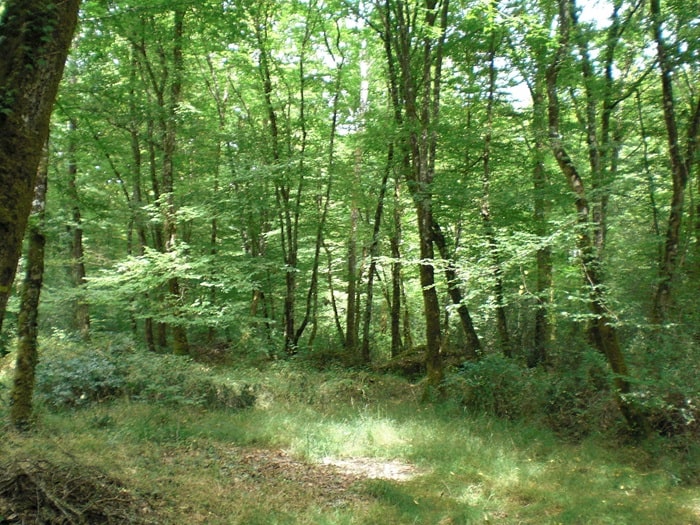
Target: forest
(484, 209)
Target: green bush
(66, 380)
(578, 399)
(78, 381)
(495, 385)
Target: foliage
(78, 381)
(497, 386)
(580, 402)
(235, 210)
(93, 376)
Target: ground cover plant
(338, 446)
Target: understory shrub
(495, 385)
(669, 395)
(76, 381)
(70, 381)
(578, 399)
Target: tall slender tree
(603, 328)
(27, 329)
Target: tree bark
(680, 170)
(543, 329)
(603, 331)
(397, 345)
(180, 343)
(351, 307)
(36, 36)
(497, 271)
(373, 253)
(81, 313)
(415, 93)
(27, 328)
(473, 348)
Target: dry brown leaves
(40, 492)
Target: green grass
(256, 465)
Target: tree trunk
(373, 253)
(351, 307)
(472, 348)
(497, 271)
(603, 330)
(680, 170)
(397, 344)
(81, 313)
(180, 343)
(35, 35)
(334, 303)
(136, 201)
(27, 355)
(415, 93)
(543, 330)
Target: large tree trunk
(415, 94)
(36, 36)
(27, 355)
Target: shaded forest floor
(303, 446)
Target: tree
(681, 167)
(35, 36)
(27, 330)
(603, 330)
(415, 86)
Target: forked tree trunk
(603, 331)
(472, 348)
(415, 94)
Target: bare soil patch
(372, 468)
(295, 483)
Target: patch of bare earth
(294, 483)
(372, 468)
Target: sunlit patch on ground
(373, 468)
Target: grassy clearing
(267, 463)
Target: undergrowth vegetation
(281, 442)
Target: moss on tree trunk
(35, 38)
(27, 356)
